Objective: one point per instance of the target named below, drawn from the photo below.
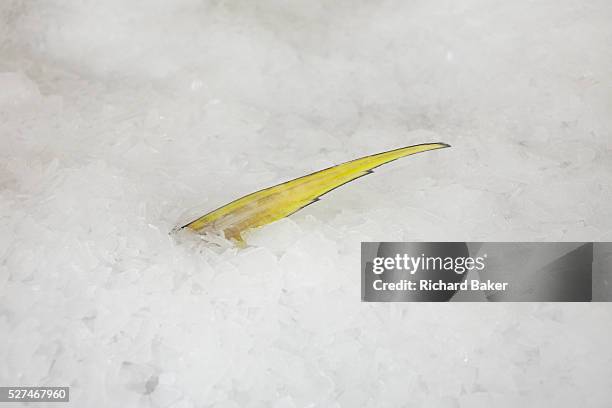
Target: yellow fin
(273, 203)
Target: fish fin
(273, 203)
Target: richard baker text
(427, 284)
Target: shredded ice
(121, 120)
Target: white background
(120, 120)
